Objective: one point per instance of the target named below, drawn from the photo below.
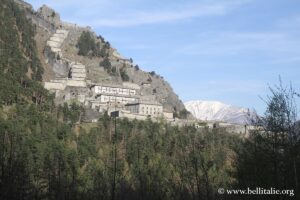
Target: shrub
(106, 64)
(124, 75)
(137, 68)
(152, 73)
(183, 114)
(114, 71)
(86, 44)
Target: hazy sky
(225, 50)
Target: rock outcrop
(49, 15)
(57, 43)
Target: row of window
(110, 90)
(150, 110)
(118, 99)
(150, 113)
(146, 110)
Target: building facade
(114, 90)
(148, 109)
(103, 98)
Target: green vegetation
(53, 14)
(183, 114)
(72, 113)
(86, 44)
(112, 70)
(271, 156)
(106, 64)
(152, 73)
(45, 153)
(124, 74)
(137, 68)
(89, 47)
(19, 63)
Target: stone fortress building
(143, 108)
(71, 81)
(71, 85)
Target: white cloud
(65, 4)
(281, 42)
(114, 13)
(148, 17)
(238, 43)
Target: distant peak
(217, 111)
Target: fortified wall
(71, 85)
(74, 78)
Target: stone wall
(78, 72)
(54, 86)
(75, 83)
(151, 109)
(81, 72)
(168, 115)
(56, 40)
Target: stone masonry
(74, 85)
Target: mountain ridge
(218, 111)
(47, 21)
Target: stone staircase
(77, 75)
(56, 40)
(78, 71)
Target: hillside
(103, 64)
(47, 152)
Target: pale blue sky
(225, 50)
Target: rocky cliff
(48, 21)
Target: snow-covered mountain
(218, 111)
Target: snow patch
(218, 111)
